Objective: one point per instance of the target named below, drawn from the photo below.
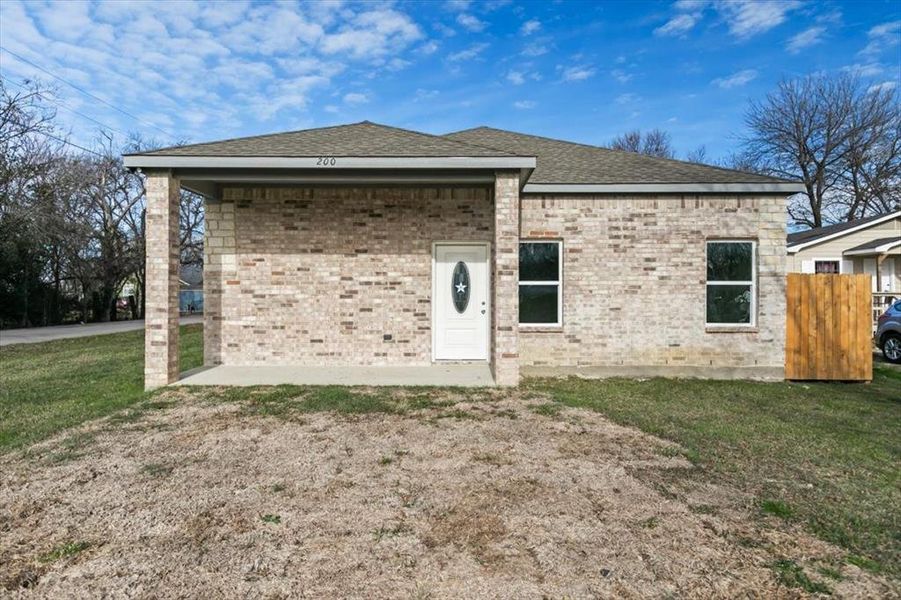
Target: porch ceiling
(208, 182)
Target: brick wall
(330, 275)
(634, 293)
(505, 280)
(320, 276)
(161, 305)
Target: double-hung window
(731, 283)
(541, 284)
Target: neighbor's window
(826, 266)
(540, 283)
(731, 283)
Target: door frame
(489, 302)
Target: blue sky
(583, 71)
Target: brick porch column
(161, 276)
(505, 278)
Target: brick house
(370, 246)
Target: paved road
(45, 334)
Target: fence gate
(828, 327)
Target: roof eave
(881, 249)
(791, 248)
(664, 188)
(155, 161)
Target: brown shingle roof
(363, 139)
(561, 162)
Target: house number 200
(325, 161)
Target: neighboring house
(370, 245)
(190, 293)
(871, 245)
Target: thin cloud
(530, 27)
(747, 18)
(882, 37)
(621, 76)
(516, 78)
(524, 104)
(535, 49)
(807, 38)
(471, 22)
(678, 25)
(458, 4)
(735, 80)
(577, 73)
(883, 87)
(469, 53)
(256, 61)
(429, 47)
(864, 70)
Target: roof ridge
(440, 137)
(443, 139)
(245, 137)
(616, 151)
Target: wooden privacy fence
(828, 327)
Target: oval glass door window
(460, 287)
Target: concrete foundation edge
(637, 371)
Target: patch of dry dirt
(205, 500)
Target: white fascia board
(149, 161)
(662, 188)
(801, 245)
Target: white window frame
(835, 260)
(753, 283)
(558, 283)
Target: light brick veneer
(634, 285)
(505, 278)
(330, 275)
(162, 256)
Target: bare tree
(698, 155)
(27, 153)
(191, 228)
(837, 137)
(653, 143)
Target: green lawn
(48, 387)
(827, 455)
(824, 455)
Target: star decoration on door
(461, 287)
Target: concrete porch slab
(459, 375)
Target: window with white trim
(731, 283)
(541, 283)
(827, 266)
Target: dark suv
(888, 333)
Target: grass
(792, 575)
(157, 470)
(51, 386)
(777, 508)
(825, 455)
(64, 550)
(822, 455)
(294, 401)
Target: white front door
(460, 291)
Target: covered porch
(321, 269)
(881, 259)
(444, 375)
